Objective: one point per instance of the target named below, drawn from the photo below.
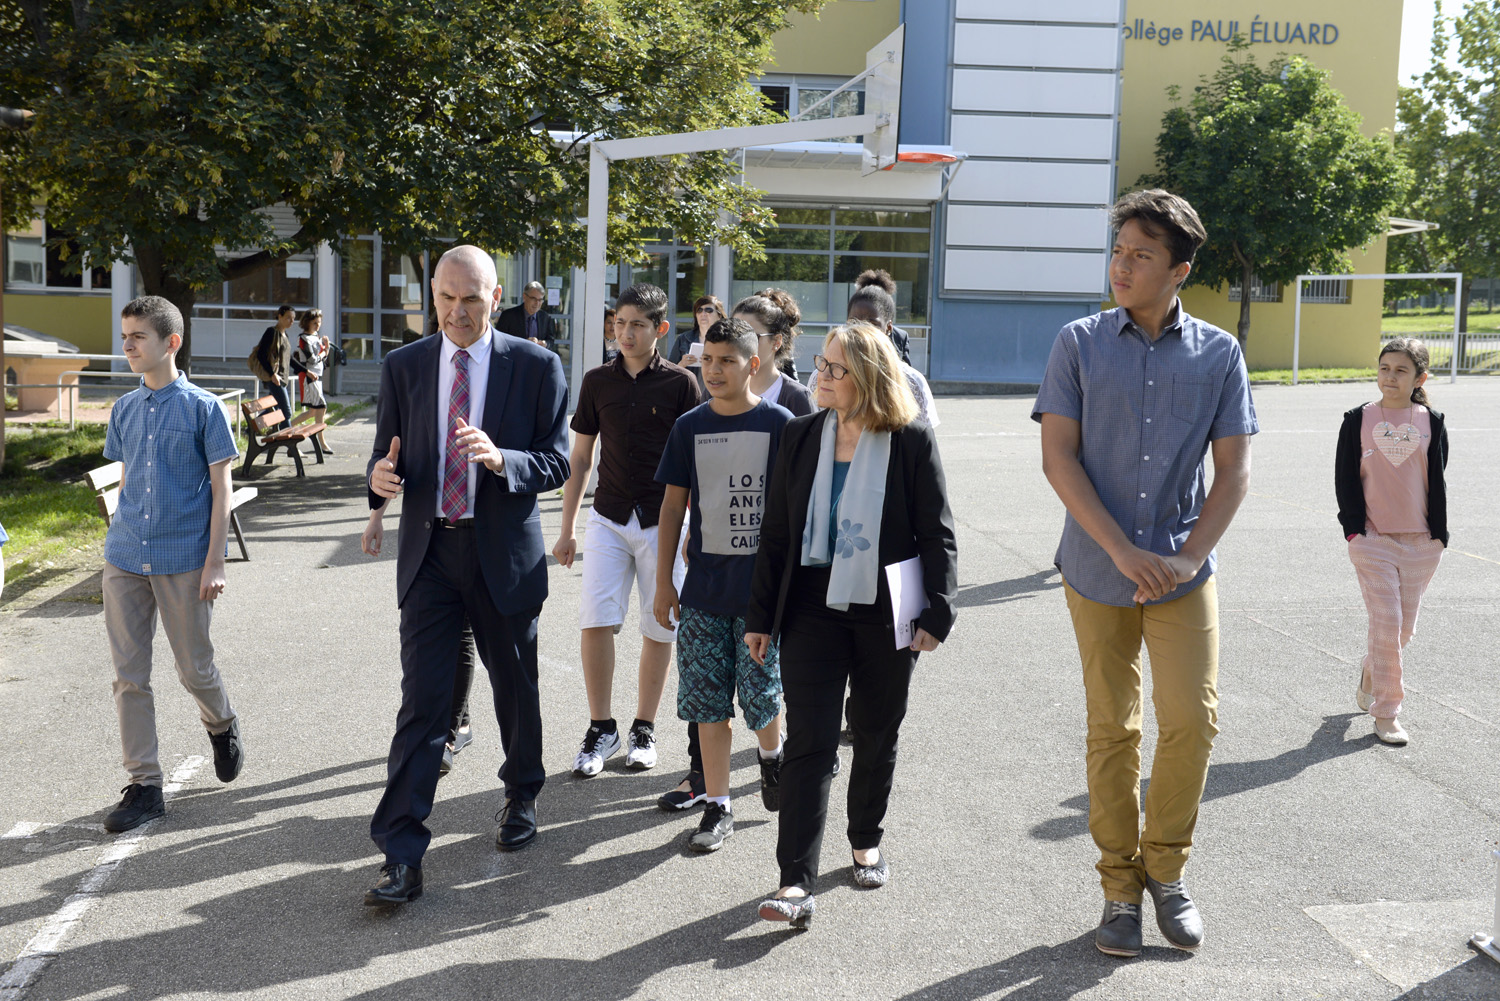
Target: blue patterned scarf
(856, 551)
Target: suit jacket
(915, 522)
(525, 414)
(513, 321)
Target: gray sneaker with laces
(717, 825)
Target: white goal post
(1458, 294)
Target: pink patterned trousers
(1394, 571)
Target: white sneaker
(642, 753)
(1362, 696)
(597, 745)
(1389, 730)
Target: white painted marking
(43, 947)
(24, 829)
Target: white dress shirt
(479, 379)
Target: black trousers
(821, 651)
(283, 402)
(448, 587)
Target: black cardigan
(1351, 492)
(916, 521)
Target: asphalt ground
(1327, 865)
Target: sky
(1416, 35)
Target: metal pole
(1458, 298)
(1296, 328)
(590, 345)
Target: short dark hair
(735, 332)
(1165, 217)
(878, 300)
(648, 299)
(163, 317)
(284, 309)
(308, 316)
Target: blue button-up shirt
(167, 438)
(1148, 410)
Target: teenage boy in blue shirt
(721, 453)
(1132, 401)
(164, 554)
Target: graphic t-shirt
(725, 463)
(1393, 467)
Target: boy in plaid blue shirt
(164, 554)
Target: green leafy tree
(1277, 168)
(1448, 131)
(163, 132)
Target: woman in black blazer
(868, 412)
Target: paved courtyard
(1327, 865)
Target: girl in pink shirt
(1388, 474)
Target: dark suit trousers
(821, 651)
(448, 587)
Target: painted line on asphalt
(24, 829)
(44, 945)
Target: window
(784, 94)
(1330, 291)
(817, 253)
(1259, 291)
(34, 262)
(230, 323)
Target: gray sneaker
(1119, 931)
(1176, 914)
(716, 825)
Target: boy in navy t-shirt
(721, 453)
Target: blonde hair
(882, 397)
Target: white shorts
(613, 555)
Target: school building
(1051, 111)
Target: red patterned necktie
(456, 466)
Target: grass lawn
(1434, 322)
(48, 511)
(1284, 375)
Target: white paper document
(908, 598)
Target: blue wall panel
(989, 341)
(924, 71)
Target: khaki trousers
(1182, 637)
(132, 603)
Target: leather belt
(453, 523)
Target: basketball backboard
(883, 100)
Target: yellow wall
(1362, 63)
(833, 42)
(85, 320)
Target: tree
(1448, 131)
(1278, 170)
(164, 131)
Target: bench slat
(105, 476)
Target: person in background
(707, 311)
(271, 362)
(610, 349)
(771, 317)
(881, 279)
(857, 487)
(872, 304)
(312, 353)
(529, 320)
(1393, 507)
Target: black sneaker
(229, 752)
(770, 781)
(679, 799)
(140, 804)
(716, 825)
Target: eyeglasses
(707, 309)
(834, 369)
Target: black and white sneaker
(597, 745)
(717, 825)
(684, 799)
(642, 753)
(770, 781)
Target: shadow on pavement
(1002, 591)
(1478, 978)
(1329, 741)
(1041, 973)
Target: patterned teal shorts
(713, 661)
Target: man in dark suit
(528, 320)
(470, 426)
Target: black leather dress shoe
(517, 825)
(398, 885)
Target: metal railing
(74, 387)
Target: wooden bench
(105, 482)
(261, 418)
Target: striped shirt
(167, 438)
(1148, 411)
